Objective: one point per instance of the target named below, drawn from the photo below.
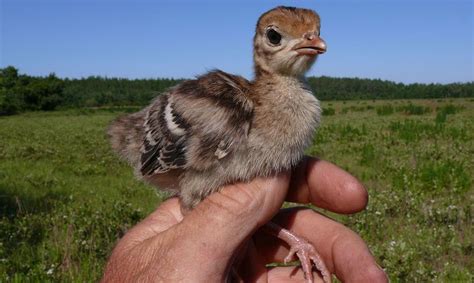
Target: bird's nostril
(309, 36)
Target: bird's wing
(197, 123)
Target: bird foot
(308, 255)
(303, 249)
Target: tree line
(21, 92)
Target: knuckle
(233, 201)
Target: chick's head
(287, 41)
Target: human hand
(213, 238)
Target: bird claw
(290, 256)
(308, 255)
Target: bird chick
(220, 128)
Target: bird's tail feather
(126, 136)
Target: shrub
(19, 92)
(383, 110)
(449, 109)
(441, 117)
(329, 111)
(412, 109)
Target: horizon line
(190, 78)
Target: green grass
(65, 199)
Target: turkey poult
(220, 128)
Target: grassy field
(65, 199)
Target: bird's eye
(273, 36)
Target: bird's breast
(284, 128)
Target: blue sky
(404, 41)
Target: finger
(210, 234)
(236, 211)
(343, 251)
(251, 267)
(327, 186)
(216, 227)
(165, 216)
(289, 274)
(142, 245)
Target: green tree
(10, 101)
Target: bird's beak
(312, 47)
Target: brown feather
(220, 128)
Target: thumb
(224, 220)
(245, 205)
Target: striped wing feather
(196, 123)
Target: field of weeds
(65, 199)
